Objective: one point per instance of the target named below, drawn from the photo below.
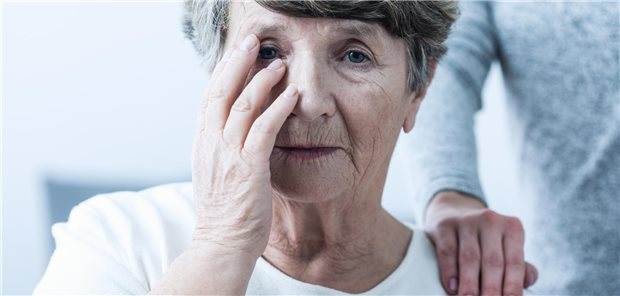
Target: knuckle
(514, 224)
(242, 104)
(515, 262)
(511, 288)
(229, 144)
(217, 94)
(469, 255)
(249, 156)
(489, 216)
(469, 287)
(491, 290)
(252, 159)
(447, 251)
(450, 222)
(494, 260)
(262, 127)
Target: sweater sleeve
(442, 144)
(85, 261)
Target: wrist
(223, 253)
(228, 272)
(447, 203)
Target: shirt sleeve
(85, 261)
(442, 143)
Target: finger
(447, 255)
(531, 275)
(514, 259)
(229, 83)
(469, 261)
(262, 135)
(492, 261)
(247, 107)
(205, 98)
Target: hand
(230, 165)
(478, 250)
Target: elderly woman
(290, 158)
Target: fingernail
(452, 285)
(290, 91)
(248, 43)
(275, 65)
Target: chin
(309, 182)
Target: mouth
(307, 152)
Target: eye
(268, 53)
(356, 57)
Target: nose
(316, 97)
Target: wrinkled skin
(357, 108)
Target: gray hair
(423, 25)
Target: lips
(307, 152)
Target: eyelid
(267, 44)
(357, 45)
(370, 59)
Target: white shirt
(121, 243)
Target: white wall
(99, 92)
(108, 92)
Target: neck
(346, 243)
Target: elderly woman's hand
(231, 175)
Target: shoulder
(178, 195)
(422, 266)
(129, 218)
(417, 273)
(422, 246)
(140, 225)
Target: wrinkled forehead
(248, 17)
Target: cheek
(371, 108)
(371, 114)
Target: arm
(206, 269)
(443, 138)
(470, 240)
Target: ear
(415, 100)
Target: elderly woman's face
(351, 77)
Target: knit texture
(560, 63)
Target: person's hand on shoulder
(479, 251)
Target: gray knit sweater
(560, 63)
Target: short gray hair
(423, 25)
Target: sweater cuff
(446, 183)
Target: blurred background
(102, 96)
